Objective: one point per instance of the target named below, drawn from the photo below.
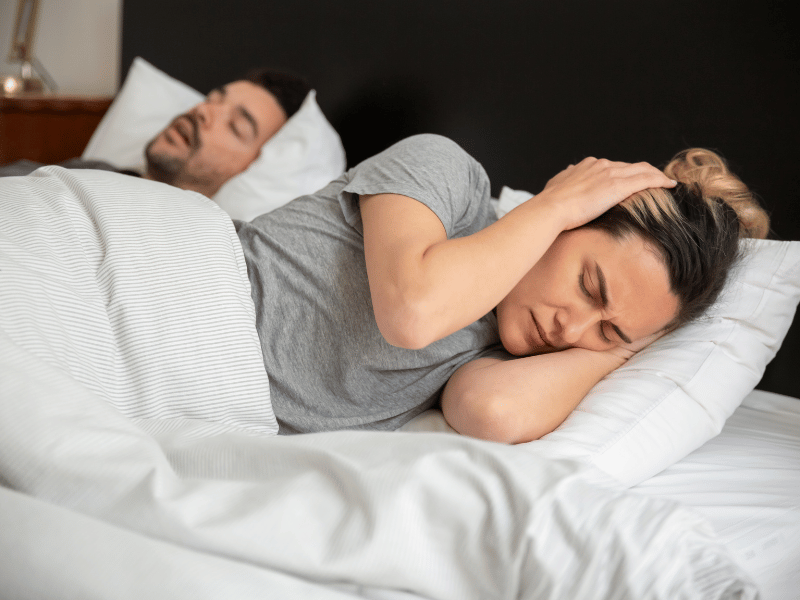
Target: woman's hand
(584, 191)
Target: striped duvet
(137, 290)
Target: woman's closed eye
(603, 325)
(597, 300)
(582, 285)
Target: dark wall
(526, 87)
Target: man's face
(216, 140)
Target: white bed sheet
(746, 483)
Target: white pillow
(147, 101)
(301, 158)
(676, 394)
(510, 199)
(304, 156)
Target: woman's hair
(695, 226)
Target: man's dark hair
(290, 90)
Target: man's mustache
(193, 135)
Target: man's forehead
(258, 101)
(242, 86)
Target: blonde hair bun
(708, 173)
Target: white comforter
(138, 459)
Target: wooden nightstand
(47, 128)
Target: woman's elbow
(405, 326)
(494, 418)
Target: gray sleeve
(20, 167)
(431, 169)
(26, 167)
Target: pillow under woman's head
(302, 157)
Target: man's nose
(207, 113)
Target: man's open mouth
(186, 129)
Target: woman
(395, 286)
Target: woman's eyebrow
(603, 291)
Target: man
(217, 139)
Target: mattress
(746, 483)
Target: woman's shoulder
(430, 159)
(433, 144)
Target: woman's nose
(575, 323)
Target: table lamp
(27, 81)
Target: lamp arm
(24, 31)
(48, 79)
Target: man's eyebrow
(250, 119)
(603, 290)
(246, 114)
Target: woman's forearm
(520, 400)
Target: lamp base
(26, 82)
(16, 85)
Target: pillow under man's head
(251, 145)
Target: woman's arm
(522, 399)
(425, 286)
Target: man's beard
(171, 169)
(166, 169)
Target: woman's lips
(540, 341)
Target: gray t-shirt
(26, 167)
(329, 366)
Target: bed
(139, 460)
(139, 457)
(758, 521)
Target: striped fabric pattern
(136, 290)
